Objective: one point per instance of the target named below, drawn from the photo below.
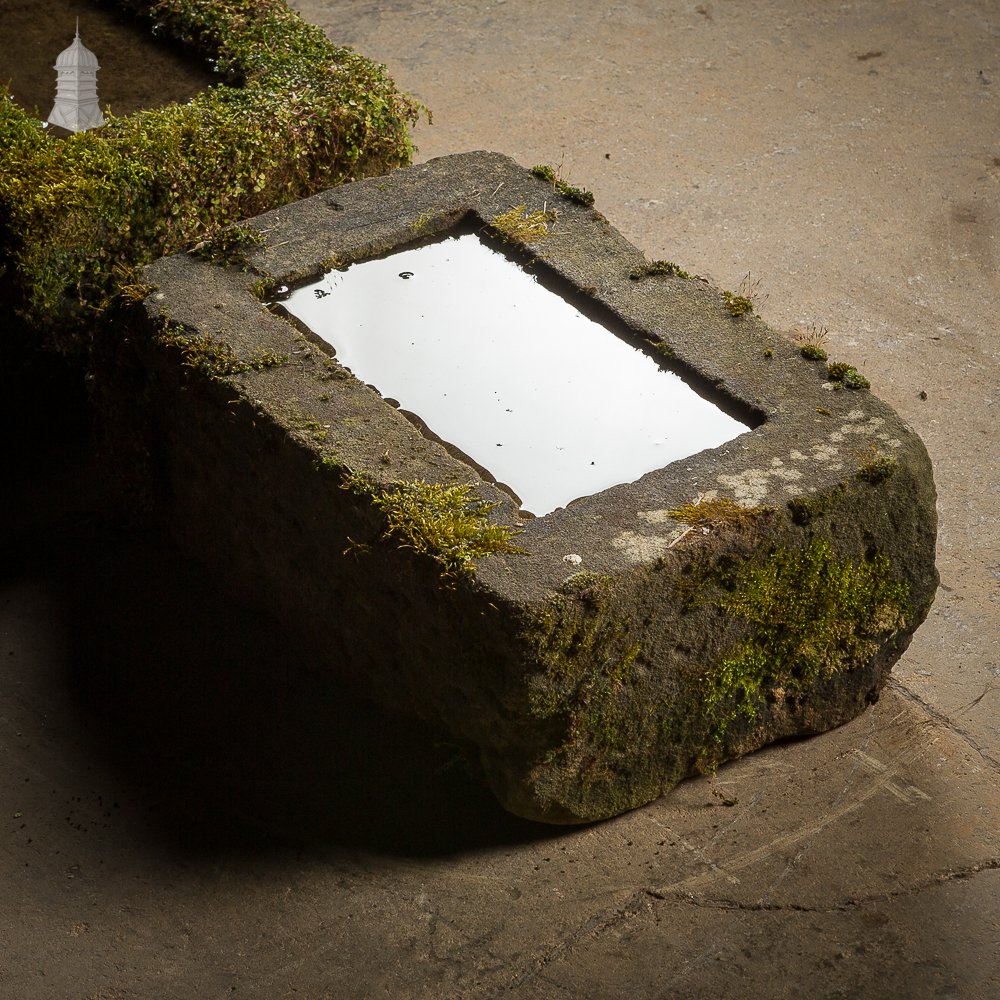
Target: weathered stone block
(592, 658)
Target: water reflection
(550, 402)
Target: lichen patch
(643, 548)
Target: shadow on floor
(223, 729)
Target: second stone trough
(754, 583)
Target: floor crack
(901, 689)
(856, 902)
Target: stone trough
(645, 626)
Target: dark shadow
(229, 736)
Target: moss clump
(229, 246)
(878, 468)
(521, 226)
(216, 358)
(447, 523)
(720, 511)
(811, 341)
(664, 268)
(813, 352)
(737, 305)
(811, 616)
(576, 194)
(293, 115)
(848, 375)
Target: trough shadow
(227, 734)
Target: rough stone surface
(753, 592)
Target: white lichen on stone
(641, 548)
(749, 488)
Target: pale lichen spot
(789, 475)
(824, 453)
(748, 488)
(643, 548)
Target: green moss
(215, 357)
(847, 375)
(810, 616)
(230, 245)
(878, 468)
(813, 352)
(576, 194)
(811, 341)
(292, 115)
(447, 523)
(521, 226)
(737, 305)
(664, 268)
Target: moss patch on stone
(521, 226)
(810, 616)
(589, 651)
(659, 268)
(847, 375)
(795, 619)
(577, 194)
(877, 468)
(447, 523)
(216, 358)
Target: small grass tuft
(216, 358)
(550, 174)
(811, 341)
(737, 305)
(720, 511)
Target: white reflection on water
(550, 402)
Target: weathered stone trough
(590, 658)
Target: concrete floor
(251, 837)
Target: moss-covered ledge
(292, 114)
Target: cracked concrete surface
(272, 847)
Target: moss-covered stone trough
(291, 114)
(591, 658)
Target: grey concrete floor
(848, 156)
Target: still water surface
(553, 404)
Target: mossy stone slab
(592, 658)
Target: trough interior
(536, 390)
